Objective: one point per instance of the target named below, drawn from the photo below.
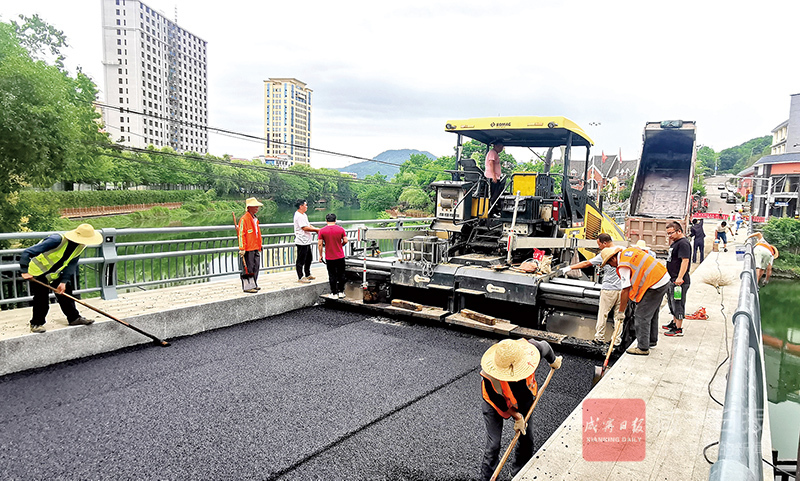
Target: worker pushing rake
(509, 391)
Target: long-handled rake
(156, 340)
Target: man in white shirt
(303, 240)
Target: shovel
(599, 371)
(527, 417)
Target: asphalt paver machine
(498, 255)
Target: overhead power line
(248, 136)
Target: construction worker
(54, 261)
(764, 253)
(250, 246)
(509, 389)
(609, 292)
(644, 282)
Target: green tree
(415, 198)
(706, 160)
(47, 124)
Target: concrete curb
(54, 346)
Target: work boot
(38, 329)
(80, 321)
(638, 352)
(304, 280)
(251, 291)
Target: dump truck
(662, 190)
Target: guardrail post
(108, 269)
(398, 242)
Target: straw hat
(642, 244)
(84, 234)
(608, 253)
(510, 360)
(252, 202)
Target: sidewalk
(681, 418)
(165, 313)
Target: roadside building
(155, 77)
(774, 180)
(601, 169)
(287, 119)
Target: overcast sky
(388, 75)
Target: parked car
(723, 194)
(721, 186)
(731, 198)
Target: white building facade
(287, 119)
(158, 71)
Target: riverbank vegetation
(784, 233)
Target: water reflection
(780, 314)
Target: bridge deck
(681, 418)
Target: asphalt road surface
(316, 394)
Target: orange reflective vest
(645, 271)
(770, 248)
(249, 233)
(504, 389)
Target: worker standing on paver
(54, 261)
(764, 253)
(678, 259)
(250, 246)
(609, 291)
(644, 282)
(509, 389)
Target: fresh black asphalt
(315, 394)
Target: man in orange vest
(764, 254)
(250, 246)
(509, 389)
(644, 282)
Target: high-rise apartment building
(287, 119)
(155, 67)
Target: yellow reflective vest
(46, 260)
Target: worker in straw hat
(509, 388)
(764, 254)
(54, 261)
(250, 246)
(644, 282)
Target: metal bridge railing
(160, 257)
(743, 414)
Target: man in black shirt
(678, 257)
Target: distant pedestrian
(644, 282)
(722, 235)
(250, 246)
(678, 258)
(54, 261)
(303, 239)
(332, 239)
(699, 236)
(764, 253)
(509, 389)
(737, 219)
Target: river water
(780, 324)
